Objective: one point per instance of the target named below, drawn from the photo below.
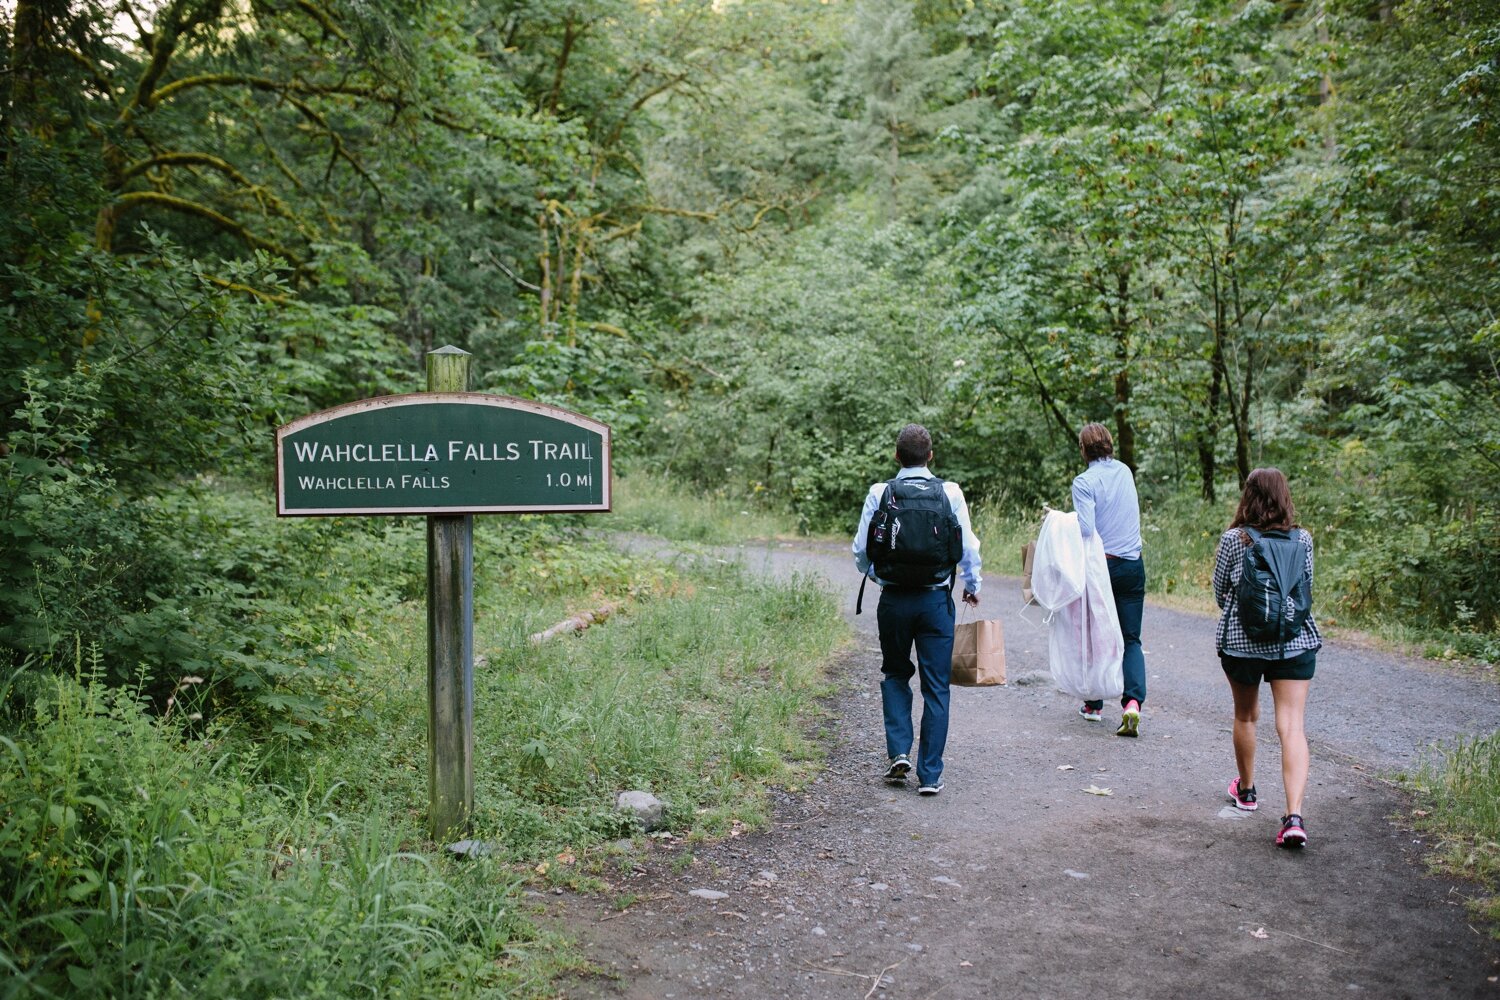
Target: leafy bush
(137, 860)
(188, 580)
(1406, 540)
(600, 374)
(76, 556)
(107, 527)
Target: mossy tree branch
(186, 160)
(177, 19)
(110, 215)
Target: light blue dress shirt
(1104, 497)
(968, 566)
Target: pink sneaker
(1243, 800)
(1291, 833)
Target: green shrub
(138, 861)
(134, 376)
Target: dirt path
(1015, 882)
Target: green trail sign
(449, 454)
(442, 453)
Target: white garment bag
(1085, 648)
(1057, 568)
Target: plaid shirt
(1231, 636)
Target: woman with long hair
(1277, 640)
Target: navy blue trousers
(1127, 579)
(924, 619)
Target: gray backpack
(1273, 576)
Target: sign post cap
(450, 349)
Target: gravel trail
(1017, 882)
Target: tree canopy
(757, 237)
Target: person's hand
(972, 600)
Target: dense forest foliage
(756, 237)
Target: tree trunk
(26, 109)
(1325, 87)
(894, 127)
(559, 270)
(555, 96)
(1208, 435)
(1242, 419)
(575, 282)
(545, 259)
(1120, 318)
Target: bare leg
(1290, 698)
(1246, 714)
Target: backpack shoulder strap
(942, 485)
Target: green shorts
(1248, 671)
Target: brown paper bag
(1028, 556)
(978, 654)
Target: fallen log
(577, 623)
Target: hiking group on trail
(916, 542)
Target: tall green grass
(699, 692)
(148, 850)
(141, 859)
(1458, 799)
(684, 512)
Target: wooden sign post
(449, 454)
(450, 641)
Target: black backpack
(914, 538)
(1273, 571)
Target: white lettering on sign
(346, 483)
(410, 482)
(549, 451)
(313, 452)
(483, 451)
